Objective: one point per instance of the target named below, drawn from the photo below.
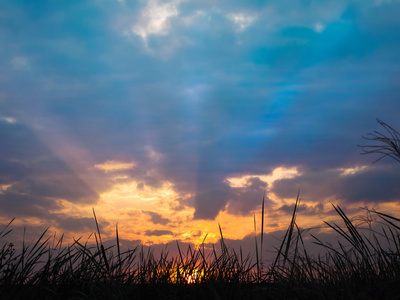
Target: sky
(171, 117)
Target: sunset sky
(170, 117)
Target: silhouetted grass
(358, 267)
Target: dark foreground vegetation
(359, 266)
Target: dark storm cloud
(298, 86)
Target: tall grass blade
(101, 242)
(223, 246)
(291, 226)
(255, 239)
(118, 247)
(262, 230)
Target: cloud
(158, 232)
(379, 185)
(242, 21)
(76, 224)
(112, 165)
(156, 218)
(382, 2)
(18, 204)
(35, 178)
(57, 186)
(319, 27)
(8, 119)
(212, 194)
(155, 19)
(248, 198)
(368, 185)
(305, 209)
(20, 63)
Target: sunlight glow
(138, 191)
(159, 213)
(113, 165)
(188, 276)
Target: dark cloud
(245, 199)
(305, 209)
(180, 204)
(371, 185)
(16, 204)
(380, 185)
(156, 218)
(76, 224)
(211, 196)
(35, 176)
(158, 232)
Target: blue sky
(103, 98)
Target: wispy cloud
(155, 18)
(113, 165)
(242, 21)
(20, 63)
(8, 119)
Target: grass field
(359, 266)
